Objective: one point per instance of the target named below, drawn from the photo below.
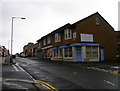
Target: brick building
(90, 39)
(28, 49)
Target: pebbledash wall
(90, 39)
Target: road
(52, 75)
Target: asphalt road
(52, 75)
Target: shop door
(102, 54)
(78, 54)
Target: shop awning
(60, 47)
(54, 48)
(85, 44)
(63, 46)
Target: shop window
(91, 51)
(68, 52)
(57, 52)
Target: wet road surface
(61, 76)
(35, 75)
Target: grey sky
(44, 16)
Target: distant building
(3, 51)
(30, 50)
(117, 33)
(90, 39)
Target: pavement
(6, 61)
(15, 78)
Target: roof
(74, 25)
(57, 30)
(91, 16)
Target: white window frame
(48, 40)
(55, 52)
(68, 53)
(74, 35)
(44, 41)
(68, 33)
(39, 44)
(57, 37)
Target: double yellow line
(46, 85)
(116, 72)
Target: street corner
(116, 72)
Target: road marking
(40, 82)
(23, 80)
(116, 72)
(98, 69)
(46, 85)
(15, 68)
(19, 67)
(116, 67)
(109, 82)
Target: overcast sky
(44, 16)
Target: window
(117, 52)
(97, 20)
(44, 41)
(119, 40)
(91, 51)
(39, 44)
(57, 52)
(68, 52)
(67, 34)
(74, 35)
(57, 37)
(48, 40)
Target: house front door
(78, 54)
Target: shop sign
(86, 37)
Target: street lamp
(12, 36)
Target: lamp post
(12, 36)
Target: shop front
(82, 52)
(86, 52)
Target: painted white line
(27, 73)
(110, 71)
(19, 67)
(116, 67)
(88, 67)
(109, 82)
(15, 68)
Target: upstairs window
(68, 34)
(57, 37)
(39, 44)
(97, 20)
(44, 41)
(119, 40)
(48, 40)
(74, 35)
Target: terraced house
(90, 39)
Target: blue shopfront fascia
(85, 44)
(77, 44)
